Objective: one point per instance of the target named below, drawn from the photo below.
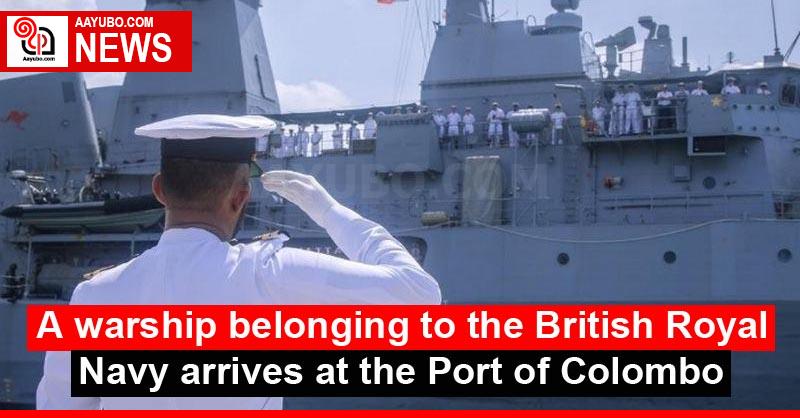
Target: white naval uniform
(730, 90)
(453, 122)
(193, 267)
(302, 143)
(370, 128)
(469, 128)
(287, 146)
(558, 119)
(495, 119)
(665, 98)
(599, 116)
(316, 143)
(633, 114)
(440, 120)
(699, 92)
(763, 92)
(617, 124)
(338, 138)
(469, 123)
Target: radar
(622, 40)
(648, 23)
(563, 21)
(562, 5)
(615, 43)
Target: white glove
(302, 190)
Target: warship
(702, 205)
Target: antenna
(775, 29)
(492, 18)
(791, 47)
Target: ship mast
(774, 29)
(460, 12)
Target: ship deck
(634, 138)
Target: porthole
(709, 182)
(670, 257)
(563, 259)
(784, 255)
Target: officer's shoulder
(271, 236)
(268, 243)
(106, 273)
(92, 274)
(86, 290)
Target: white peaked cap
(209, 126)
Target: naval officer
(495, 120)
(617, 125)
(763, 89)
(370, 127)
(469, 127)
(731, 89)
(700, 90)
(206, 165)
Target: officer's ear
(158, 188)
(240, 195)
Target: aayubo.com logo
(36, 41)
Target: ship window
(670, 257)
(709, 145)
(68, 90)
(709, 182)
(563, 259)
(789, 94)
(784, 255)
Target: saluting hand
(302, 190)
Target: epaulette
(269, 236)
(90, 275)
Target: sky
(342, 53)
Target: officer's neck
(181, 219)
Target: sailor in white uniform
(370, 127)
(280, 152)
(633, 111)
(440, 120)
(763, 89)
(204, 185)
(469, 127)
(599, 117)
(453, 122)
(665, 109)
(302, 141)
(316, 141)
(559, 120)
(495, 121)
(338, 136)
(353, 134)
(731, 89)
(700, 90)
(291, 144)
(617, 124)
(453, 126)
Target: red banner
(414, 413)
(506, 327)
(96, 41)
